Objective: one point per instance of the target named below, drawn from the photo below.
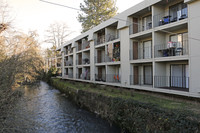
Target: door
(178, 76)
(147, 50)
(80, 73)
(99, 56)
(99, 73)
(148, 80)
(135, 50)
(136, 75)
(135, 25)
(79, 46)
(80, 59)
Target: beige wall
(194, 43)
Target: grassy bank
(133, 111)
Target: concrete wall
(194, 41)
(124, 48)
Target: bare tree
(57, 34)
(5, 17)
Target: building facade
(153, 46)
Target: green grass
(157, 100)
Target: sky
(37, 15)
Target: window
(178, 12)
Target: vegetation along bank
(133, 111)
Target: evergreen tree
(95, 12)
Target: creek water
(43, 109)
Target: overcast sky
(37, 15)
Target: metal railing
(83, 76)
(79, 62)
(141, 80)
(99, 40)
(83, 45)
(69, 63)
(171, 82)
(113, 78)
(141, 53)
(171, 49)
(136, 27)
(110, 37)
(100, 77)
(86, 61)
(166, 18)
(69, 51)
(58, 64)
(105, 58)
(100, 59)
(69, 75)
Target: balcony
(173, 16)
(84, 45)
(69, 75)
(172, 49)
(83, 76)
(113, 78)
(136, 28)
(69, 51)
(104, 59)
(100, 77)
(58, 64)
(111, 37)
(99, 40)
(141, 53)
(79, 62)
(141, 80)
(86, 61)
(69, 63)
(172, 83)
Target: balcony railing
(105, 58)
(99, 40)
(163, 19)
(111, 37)
(59, 74)
(86, 61)
(69, 51)
(83, 45)
(110, 78)
(100, 59)
(100, 77)
(69, 75)
(69, 63)
(83, 76)
(172, 49)
(79, 62)
(58, 65)
(141, 53)
(141, 80)
(172, 82)
(113, 78)
(136, 28)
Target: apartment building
(153, 46)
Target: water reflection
(44, 109)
